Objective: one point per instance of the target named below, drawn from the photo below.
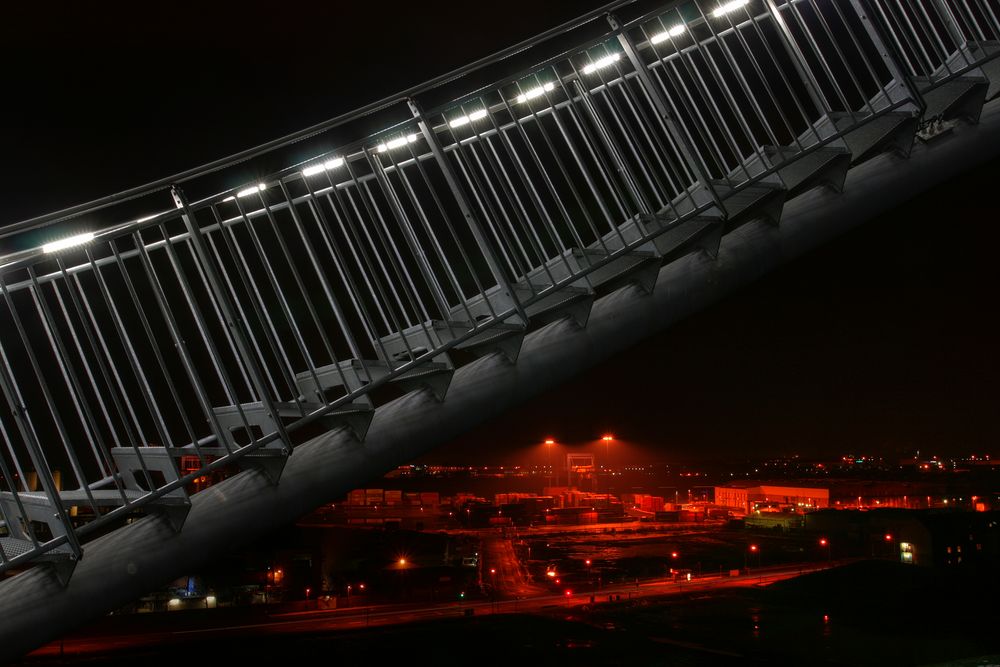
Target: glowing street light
(675, 31)
(69, 242)
(548, 458)
(402, 562)
(728, 7)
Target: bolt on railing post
(233, 323)
(888, 55)
(677, 132)
(475, 226)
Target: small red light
(568, 593)
(822, 542)
(888, 537)
(753, 547)
(674, 554)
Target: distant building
(933, 538)
(755, 497)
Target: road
(502, 571)
(360, 617)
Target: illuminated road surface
(360, 617)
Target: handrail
(309, 132)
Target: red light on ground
(888, 537)
(822, 542)
(558, 581)
(493, 570)
(568, 593)
(308, 592)
(674, 554)
(361, 586)
(753, 547)
(826, 618)
(587, 562)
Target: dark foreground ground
(871, 613)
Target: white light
(535, 92)
(326, 166)
(465, 120)
(397, 143)
(79, 239)
(677, 30)
(601, 63)
(730, 6)
(252, 190)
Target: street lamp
(548, 449)
(607, 460)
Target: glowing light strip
(397, 143)
(465, 120)
(326, 166)
(535, 92)
(69, 242)
(246, 192)
(601, 63)
(730, 6)
(676, 31)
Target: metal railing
(224, 328)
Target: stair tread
(101, 497)
(14, 547)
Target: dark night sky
(882, 341)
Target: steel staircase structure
(346, 314)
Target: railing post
(798, 59)
(888, 55)
(237, 327)
(951, 25)
(475, 226)
(20, 412)
(677, 132)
